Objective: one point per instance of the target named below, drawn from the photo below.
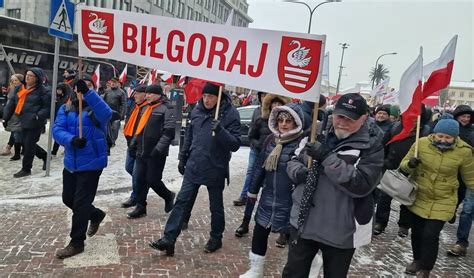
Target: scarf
(271, 162)
(144, 118)
(129, 126)
(308, 193)
(69, 82)
(22, 94)
(443, 146)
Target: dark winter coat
(275, 199)
(158, 133)
(95, 116)
(116, 98)
(37, 105)
(207, 157)
(62, 98)
(385, 126)
(466, 132)
(343, 203)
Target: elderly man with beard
(333, 202)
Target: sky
(372, 28)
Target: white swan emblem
(297, 56)
(97, 25)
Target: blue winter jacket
(207, 157)
(95, 116)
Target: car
(246, 113)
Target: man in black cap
(333, 204)
(150, 144)
(204, 160)
(382, 117)
(116, 98)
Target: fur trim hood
(294, 110)
(267, 101)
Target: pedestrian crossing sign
(61, 19)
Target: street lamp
(344, 46)
(377, 63)
(311, 11)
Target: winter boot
(138, 212)
(241, 201)
(212, 245)
(7, 150)
(185, 226)
(379, 228)
(129, 203)
(163, 244)
(402, 231)
(457, 250)
(282, 240)
(69, 251)
(413, 268)
(22, 173)
(169, 203)
(243, 228)
(17, 148)
(94, 226)
(256, 266)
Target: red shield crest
(98, 31)
(298, 65)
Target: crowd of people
(319, 195)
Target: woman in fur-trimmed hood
(273, 212)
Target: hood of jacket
(39, 76)
(267, 103)
(294, 110)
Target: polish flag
(167, 77)
(193, 89)
(432, 100)
(152, 77)
(96, 77)
(437, 74)
(147, 76)
(381, 88)
(181, 81)
(123, 76)
(409, 98)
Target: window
(214, 6)
(205, 19)
(181, 8)
(158, 3)
(199, 2)
(197, 16)
(170, 7)
(226, 14)
(221, 11)
(471, 95)
(127, 6)
(461, 94)
(102, 3)
(206, 4)
(453, 93)
(15, 13)
(190, 13)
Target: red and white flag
(96, 77)
(409, 98)
(123, 75)
(437, 74)
(152, 77)
(167, 77)
(432, 100)
(145, 78)
(381, 88)
(181, 81)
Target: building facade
(213, 11)
(461, 92)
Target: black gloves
(413, 162)
(301, 176)
(181, 167)
(216, 125)
(317, 151)
(79, 142)
(81, 87)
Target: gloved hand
(79, 142)
(301, 175)
(81, 87)
(181, 167)
(155, 153)
(216, 125)
(318, 151)
(413, 162)
(5, 124)
(252, 198)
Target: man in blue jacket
(84, 159)
(204, 160)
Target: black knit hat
(140, 89)
(210, 88)
(154, 89)
(384, 107)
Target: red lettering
(143, 42)
(219, 53)
(202, 49)
(129, 35)
(261, 61)
(239, 57)
(179, 48)
(152, 44)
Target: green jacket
(437, 177)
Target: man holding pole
(213, 133)
(84, 159)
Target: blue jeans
(465, 220)
(248, 178)
(129, 167)
(184, 204)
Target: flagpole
(79, 97)
(314, 128)
(216, 116)
(418, 119)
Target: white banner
(283, 63)
(380, 89)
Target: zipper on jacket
(274, 199)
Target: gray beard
(341, 134)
